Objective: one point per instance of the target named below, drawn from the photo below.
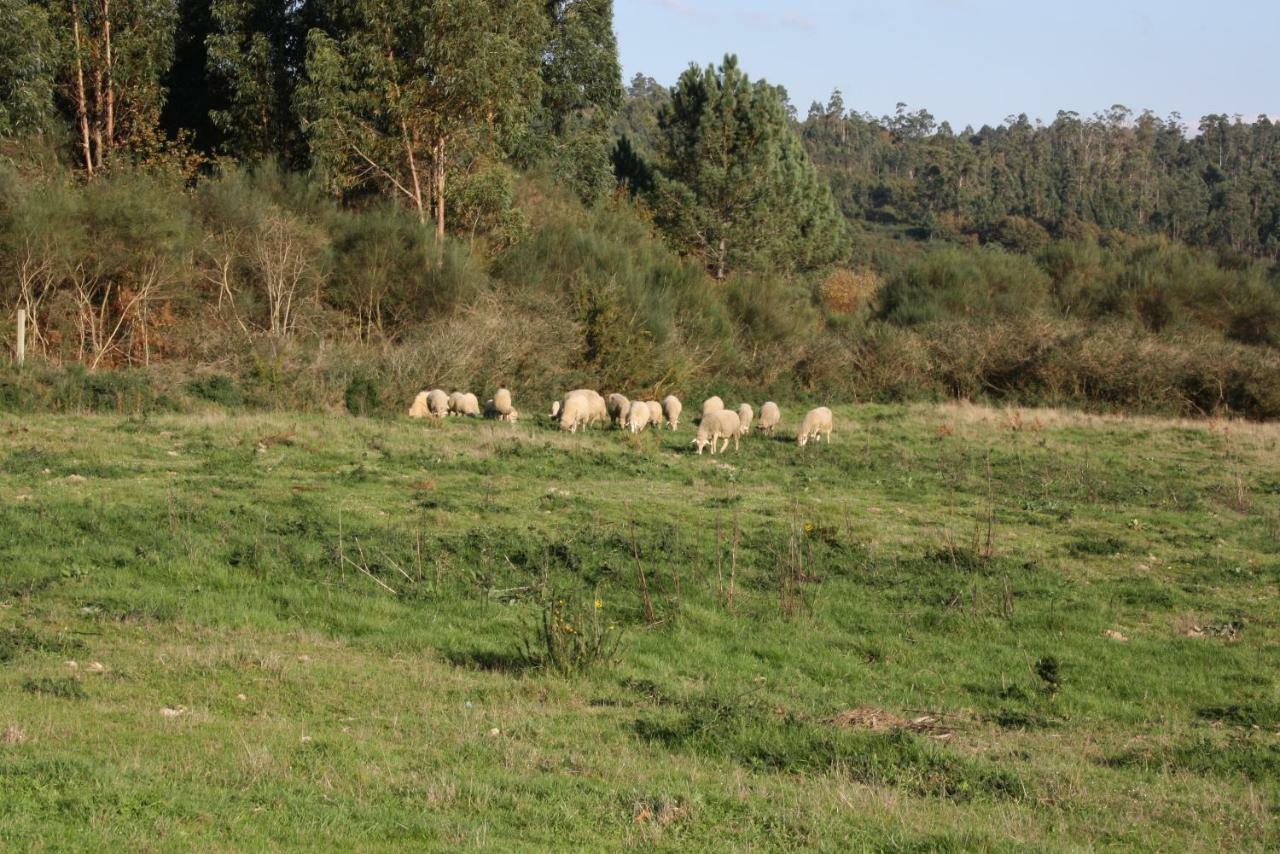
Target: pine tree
(734, 186)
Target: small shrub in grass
(572, 637)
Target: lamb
(815, 424)
(671, 407)
(770, 415)
(638, 416)
(617, 406)
(420, 408)
(712, 404)
(746, 415)
(655, 413)
(723, 424)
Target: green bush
(362, 396)
(965, 283)
(216, 388)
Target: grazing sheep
(815, 424)
(712, 404)
(671, 407)
(723, 424)
(617, 405)
(420, 408)
(491, 411)
(597, 409)
(573, 412)
(746, 415)
(455, 402)
(502, 402)
(590, 410)
(638, 416)
(655, 413)
(770, 415)
(438, 403)
(469, 405)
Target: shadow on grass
(761, 739)
(511, 663)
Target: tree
(255, 50)
(115, 56)
(397, 94)
(581, 94)
(734, 186)
(27, 68)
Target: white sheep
(671, 408)
(712, 404)
(715, 426)
(420, 408)
(502, 403)
(638, 416)
(491, 410)
(597, 409)
(617, 406)
(438, 403)
(746, 415)
(572, 412)
(469, 405)
(816, 423)
(655, 414)
(455, 402)
(770, 416)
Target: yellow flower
(808, 527)
(599, 604)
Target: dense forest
(327, 203)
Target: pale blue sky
(976, 61)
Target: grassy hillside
(955, 627)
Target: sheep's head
(803, 439)
(700, 442)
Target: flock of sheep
(583, 407)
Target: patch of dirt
(661, 812)
(13, 734)
(879, 720)
(1114, 635)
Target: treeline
(1022, 183)
(332, 202)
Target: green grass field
(955, 628)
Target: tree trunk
(409, 141)
(97, 118)
(720, 260)
(438, 188)
(82, 109)
(110, 94)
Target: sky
(974, 62)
